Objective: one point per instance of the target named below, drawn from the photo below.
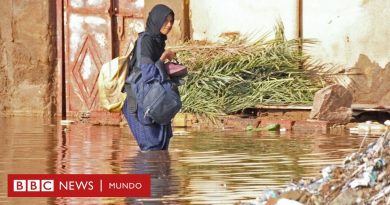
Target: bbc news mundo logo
(79, 185)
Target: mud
(370, 83)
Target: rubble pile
(363, 178)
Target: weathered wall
(211, 18)
(347, 29)
(353, 34)
(27, 46)
(369, 83)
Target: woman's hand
(167, 55)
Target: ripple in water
(200, 168)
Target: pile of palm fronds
(230, 77)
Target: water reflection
(158, 165)
(202, 168)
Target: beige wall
(211, 18)
(27, 47)
(351, 34)
(344, 29)
(347, 29)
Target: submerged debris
(362, 178)
(369, 127)
(66, 122)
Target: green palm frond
(226, 78)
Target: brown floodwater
(221, 167)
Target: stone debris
(362, 178)
(333, 104)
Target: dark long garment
(153, 136)
(148, 137)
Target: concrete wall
(353, 34)
(27, 47)
(347, 29)
(211, 18)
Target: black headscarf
(153, 44)
(156, 19)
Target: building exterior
(51, 51)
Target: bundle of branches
(230, 77)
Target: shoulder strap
(138, 49)
(136, 66)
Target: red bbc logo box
(79, 185)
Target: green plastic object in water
(270, 127)
(249, 128)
